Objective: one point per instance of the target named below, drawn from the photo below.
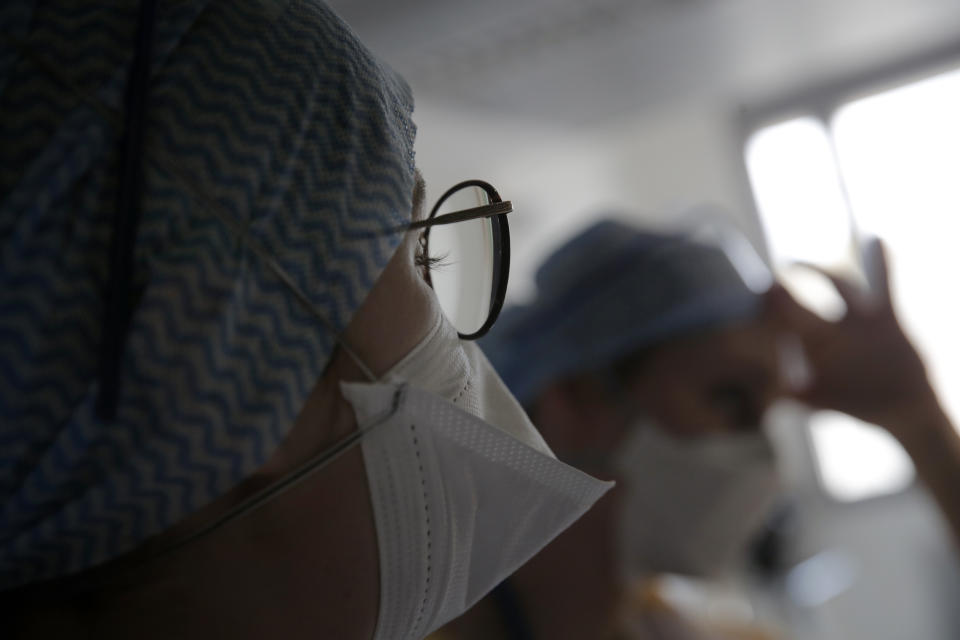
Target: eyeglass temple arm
(474, 213)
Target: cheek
(395, 316)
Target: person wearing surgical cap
(220, 408)
(651, 357)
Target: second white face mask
(691, 506)
(458, 503)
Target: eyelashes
(428, 262)
(422, 259)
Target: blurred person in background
(231, 405)
(645, 357)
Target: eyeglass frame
(496, 209)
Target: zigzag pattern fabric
(276, 147)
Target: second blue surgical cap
(276, 147)
(610, 291)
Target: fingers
(878, 269)
(850, 292)
(785, 310)
(792, 315)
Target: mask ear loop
(66, 589)
(291, 480)
(305, 301)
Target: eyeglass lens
(463, 274)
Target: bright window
(856, 460)
(797, 188)
(899, 154)
(886, 165)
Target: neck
(571, 588)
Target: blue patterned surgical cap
(275, 145)
(609, 292)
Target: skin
(304, 565)
(866, 366)
(715, 383)
(863, 365)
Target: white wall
(652, 167)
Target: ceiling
(581, 62)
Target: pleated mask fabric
(276, 147)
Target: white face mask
(458, 503)
(691, 506)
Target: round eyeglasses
(467, 243)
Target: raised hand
(864, 364)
